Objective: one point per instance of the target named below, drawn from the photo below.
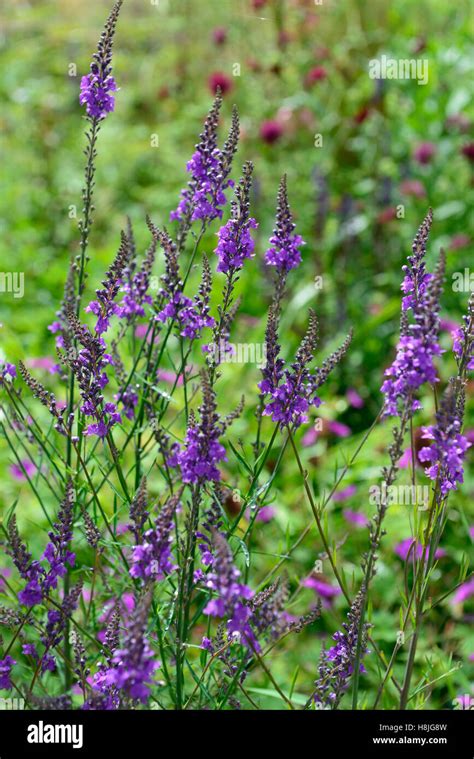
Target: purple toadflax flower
(56, 624)
(40, 580)
(97, 86)
(231, 596)
(284, 252)
(202, 451)
(336, 665)
(6, 666)
(106, 696)
(294, 390)
(7, 371)
(446, 454)
(104, 307)
(135, 284)
(132, 666)
(235, 241)
(88, 365)
(209, 168)
(151, 558)
(418, 345)
(191, 316)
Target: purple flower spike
(235, 241)
(284, 253)
(202, 450)
(151, 558)
(418, 345)
(336, 664)
(209, 167)
(446, 454)
(97, 86)
(6, 666)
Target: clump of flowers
(57, 553)
(151, 558)
(209, 167)
(190, 316)
(418, 345)
(336, 664)
(235, 241)
(446, 453)
(202, 451)
(284, 252)
(294, 390)
(88, 365)
(6, 666)
(132, 667)
(97, 86)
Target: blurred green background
(364, 158)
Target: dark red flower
(219, 35)
(219, 80)
(258, 4)
(362, 114)
(424, 152)
(468, 151)
(271, 131)
(316, 74)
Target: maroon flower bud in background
(219, 35)
(271, 131)
(316, 74)
(468, 151)
(219, 81)
(424, 152)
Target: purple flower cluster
(231, 596)
(88, 365)
(202, 451)
(284, 253)
(418, 345)
(191, 316)
(132, 667)
(7, 370)
(97, 86)
(293, 391)
(6, 666)
(95, 93)
(105, 696)
(209, 167)
(235, 241)
(104, 307)
(151, 558)
(336, 665)
(135, 291)
(446, 454)
(56, 625)
(40, 580)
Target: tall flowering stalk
(39, 580)
(338, 663)
(412, 368)
(418, 344)
(209, 168)
(235, 245)
(95, 95)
